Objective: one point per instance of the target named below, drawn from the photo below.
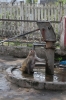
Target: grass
(17, 44)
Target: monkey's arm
(39, 59)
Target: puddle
(39, 75)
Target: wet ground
(9, 91)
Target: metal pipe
(49, 37)
(50, 58)
(49, 61)
(19, 36)
(18, 20)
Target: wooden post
(21, 15)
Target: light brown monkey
(29, 62)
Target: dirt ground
(9, 91)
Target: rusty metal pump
(49, 37)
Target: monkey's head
(32, 53)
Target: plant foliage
(31, 1)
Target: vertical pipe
(49, 61)
(49, 37)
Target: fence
(23, 11)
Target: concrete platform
(29, 82)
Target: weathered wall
(20, 51)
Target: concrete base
(31, 83)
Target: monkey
(29, 63)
